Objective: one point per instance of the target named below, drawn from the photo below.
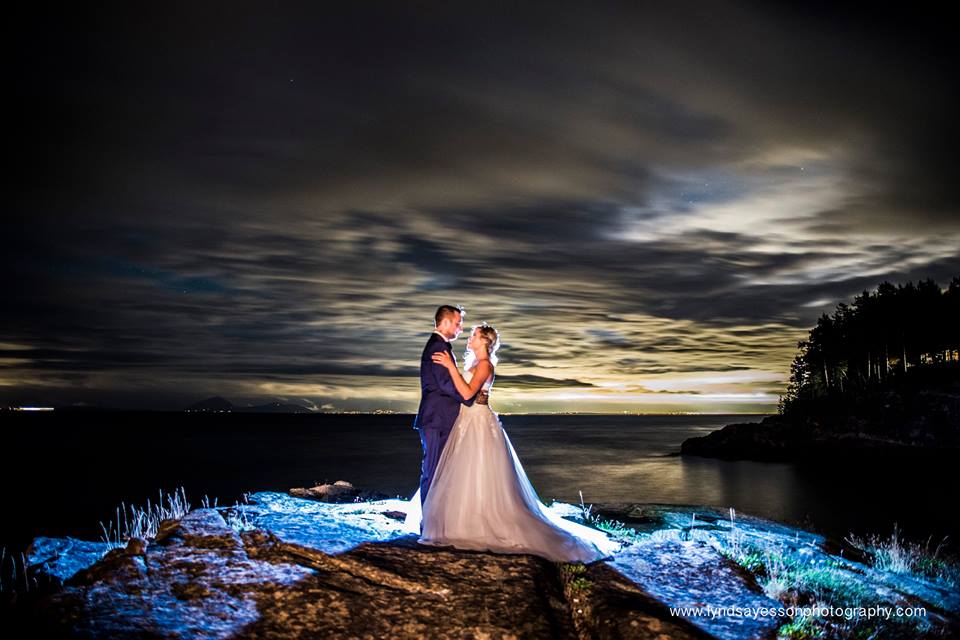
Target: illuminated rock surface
(291, 567)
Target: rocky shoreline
(921, 424)
(282, 566)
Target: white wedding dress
(480, 498)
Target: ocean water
(65, 472)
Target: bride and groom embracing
(474, 493)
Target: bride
(480, 497)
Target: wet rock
(339, 491)
(329, 527)
(606, 604)
(726, 530)
(60, 558)
(136, 547)
(197, 582)
(691, 574)
(306, 568)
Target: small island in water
(879, 376)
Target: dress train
(480, 498)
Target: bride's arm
(437, 379)
(464, 388)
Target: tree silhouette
(881, 335)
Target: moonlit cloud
(653, 206)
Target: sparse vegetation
(795, 581)
(130, 522)
(15, 578)
(799, 583)
(575, 578)
(581, 584)
(237, 517)
(144, 522)
(794, 578)
(586, 512)
(903, 556)
(573, 568)
(614, 528)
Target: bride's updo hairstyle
(490, 337)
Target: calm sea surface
(65, 472)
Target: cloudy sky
(653, 204)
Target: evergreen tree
(882, 334)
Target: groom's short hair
(447, 310)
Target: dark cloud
(629, 191)
(529, 381)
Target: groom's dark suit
(439, 407)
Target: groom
(439, 401)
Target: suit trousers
(433, 441)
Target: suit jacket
(439, 399)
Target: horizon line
(81, 409)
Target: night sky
(653, 204)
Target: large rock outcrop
(293, 568)
(908, 423)
(287, 567)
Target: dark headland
(881, 376)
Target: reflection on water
(684, 481)
(84, 465)
(641, 469)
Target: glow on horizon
(402, 395)
(690, 397)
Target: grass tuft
(144, 522)
(616, 529)
(897, 555)
(795, 580)
(237, 517)
(18, 581)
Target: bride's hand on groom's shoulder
(443, 358)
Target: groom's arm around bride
(440, 401)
